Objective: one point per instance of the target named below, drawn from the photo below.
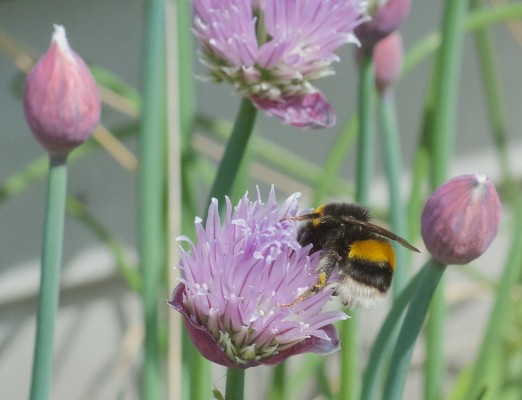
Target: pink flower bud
(387, 56)
(386, 16)
(460, 219)
(61, 102)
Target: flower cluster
(271, 50)
(238, 283)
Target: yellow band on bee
(374, 251)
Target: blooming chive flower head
(460, 219)
(386, 16)
(272, 50)
(61, 101)
(238, 281)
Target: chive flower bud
(388, 55)
(460, 219)
(386, 16)
(61, 101)
(239, 280)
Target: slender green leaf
(151, 181)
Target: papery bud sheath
(460, 219)
(61, 101)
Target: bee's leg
(329, 260)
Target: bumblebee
(358, 249)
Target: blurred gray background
(99, 326)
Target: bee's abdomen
(377, 274)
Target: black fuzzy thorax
(332, 232)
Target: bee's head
(339, 210)
(331, 214)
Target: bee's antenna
(304, 217)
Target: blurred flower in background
(388, 55)
(61, 102)
(272, 50)
(238, 281)
(460, 219)
(386, 16)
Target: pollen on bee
(322, 280)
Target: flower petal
(310, 345)
(307, 111)
(202, 339)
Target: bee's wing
(380, 231)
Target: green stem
(490, 15)
(476, 20)
(223, 184)
(494, 104)
(365, 139)
(236, 147)
(235, 384)
(385, 338)
(194, 374)
(484, 370)
(434, 368)
(187, 117)
(441, 147)
(329, 173)
(50, 278)
(392, 156)
(416, 202)
(446, 93)
(278, 387)
(151, 190)
(198, 368)
(350, 369)
(417, 310)
(392, 160)
(287, 162)
(350, 355)
(421, 165)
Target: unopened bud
(388, 55)
(61, 102)
(386, 16)
(460, 219)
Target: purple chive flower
(238, 280)
(61, 101)
(386, 16)
(460, 219)
(272, 50)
